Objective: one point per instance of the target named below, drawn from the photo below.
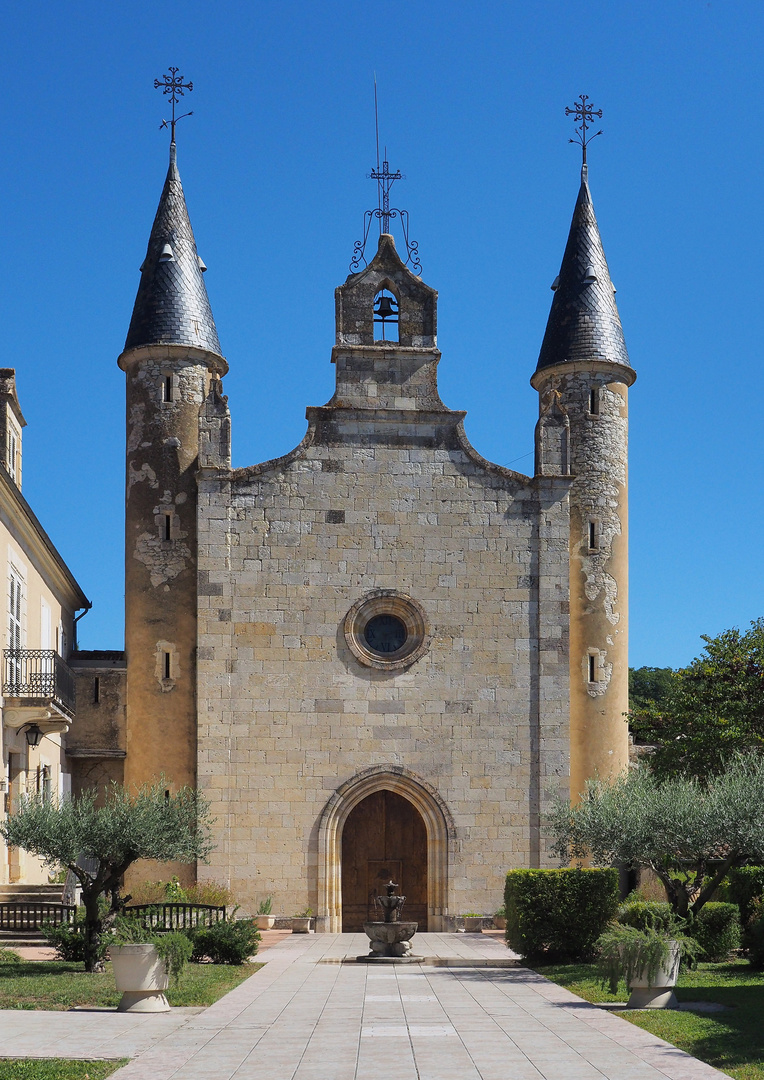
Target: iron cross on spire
(583, 115)
(173, 86)
(385, 180)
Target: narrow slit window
(592, 667)
(594, 401)
(593, 536)
(96, 690)
(168, 527)
(167, 666)
(167, 388)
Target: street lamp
(34, 735)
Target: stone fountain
(390, 938)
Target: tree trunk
(92, 929)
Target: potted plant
(143, 963)
(473, 923)
(264, 919)
(301, 922)
(648, 960)
(500, 919)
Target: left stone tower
(171, 355)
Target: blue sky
(274, 165)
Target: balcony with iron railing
(37, 685)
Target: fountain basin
(390, 938)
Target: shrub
(647, 915)
(163, 892)
(226, 942)
(9, 956)
(746, 885)
(210, 892)
(558, 914)
(716, 928)
(754, 936)
(69, 942)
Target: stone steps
(31, 894)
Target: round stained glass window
(385, 634)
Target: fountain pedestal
(390, 939)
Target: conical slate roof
(172, 307)
(584, 323)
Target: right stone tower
(583, 375)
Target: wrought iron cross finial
(384, 212)
(583, 114)
(385, 180)
(172, 85)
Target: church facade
(380, 655)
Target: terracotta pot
(301, 925)
(265, 922)
(500, 922)
(660, 993)
(473, 924)
(141, 975)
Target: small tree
(145, 824)
(701, 716)
(689, 832)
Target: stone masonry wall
(287, 714)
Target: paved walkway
(461, 1014)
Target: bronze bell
(384, 308)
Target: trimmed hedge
(558, 914)
(647, 915)
(716, 928)
(746, 885)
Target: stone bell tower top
(584, 324)
(416, 303)
(172, 306)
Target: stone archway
(438, 825)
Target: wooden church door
(384, 838)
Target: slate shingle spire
(583, 323)
(172, 307)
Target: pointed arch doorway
(439, 829)
(384, 839)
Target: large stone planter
(390, 938)
(141, 975)
(300, 924)
(265, 922)
(660, 993)
(473, 924)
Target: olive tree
(146, 823)
(690, 832)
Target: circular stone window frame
(401, 606)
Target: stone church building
(379, 655)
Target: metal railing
(39, 675)
(31, 915)
(175, 916)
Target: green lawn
(731, 1041)
(57, 1069)
(58, 985)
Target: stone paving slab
(307, 1015)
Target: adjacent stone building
(37, 622)
(379, 655)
